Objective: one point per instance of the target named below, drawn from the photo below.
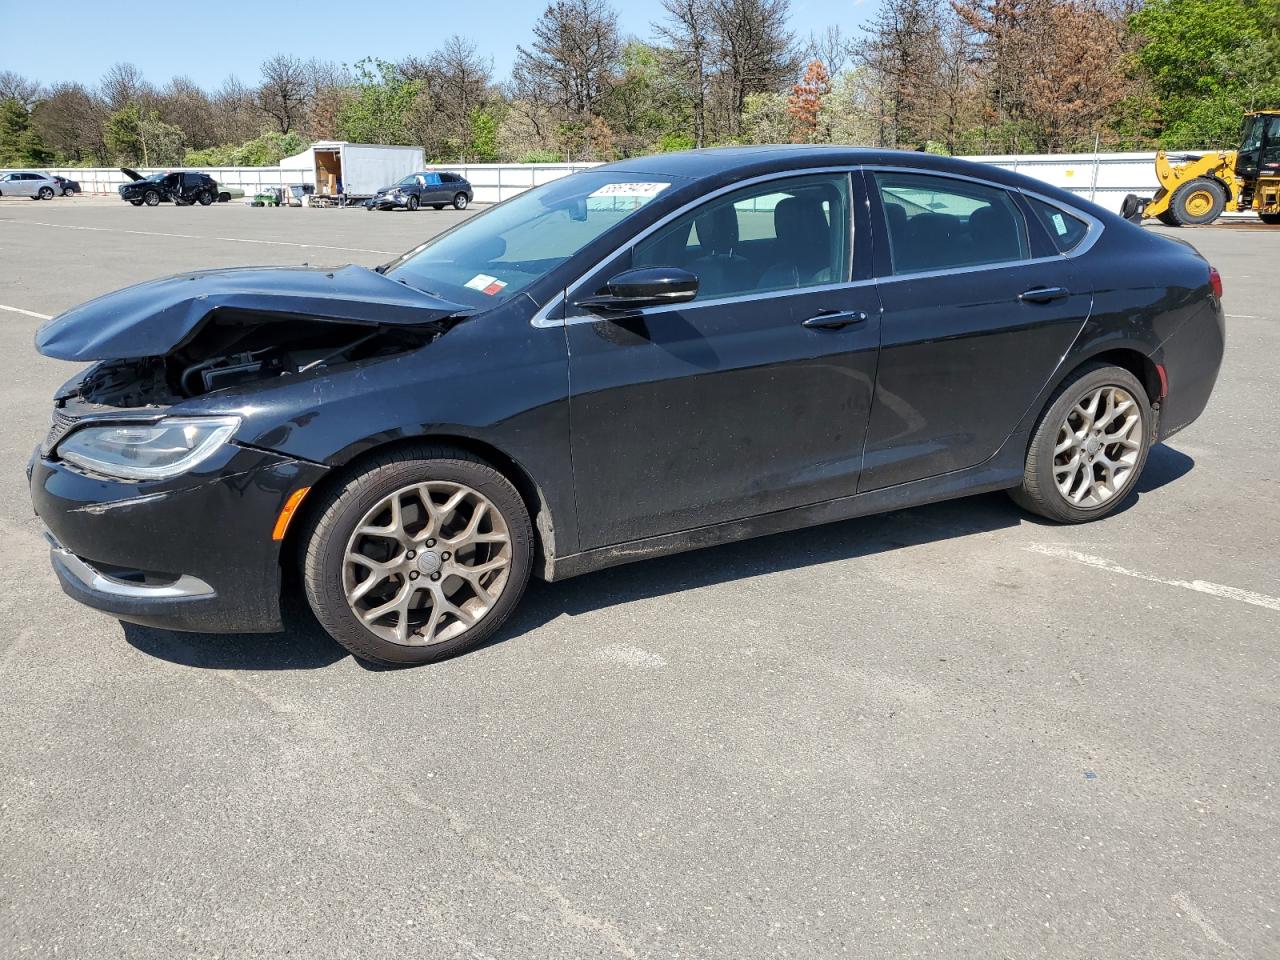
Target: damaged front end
(182, 337)
(157, 512)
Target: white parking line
(1199, 586)
(192, 236)
(25, 313)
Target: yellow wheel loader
(1198, 188)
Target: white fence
(1103, 177)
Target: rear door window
(942, 223)
(1066, 231)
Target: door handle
(1044, 294)
(835, 319)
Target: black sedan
(426, 189)
(66, 186)
(648, 357)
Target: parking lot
(952, 731)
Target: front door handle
(835, 319)
(1044, 294)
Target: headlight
(147, 451)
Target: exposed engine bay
(233, 348)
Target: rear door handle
(835, 319)
(1044, 294)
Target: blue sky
(80, 40)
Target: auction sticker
(486, 284)
(645, 191)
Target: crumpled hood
(152, 318)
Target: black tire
(151, 198)
(411, 203)
(68, 192)
(1270, 219)
(224, 197)
(346, 504)
(205, 198)
(437, 206)
(46, 193)
(460, 201)
(1167, 219)
(1039, 491)
(136, 203)
(1198, 201)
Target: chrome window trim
(541, 319)
(1096, 226)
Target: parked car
(227, 194)
(65, 186)
(647, 357)
(180, 188)
(426, 189)
(25, 183)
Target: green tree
(484, 136)
(1207, 62)
(20, 143)
(381, 105)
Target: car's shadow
(304, 645)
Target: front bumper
(385, 203)
(193, 553)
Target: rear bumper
(192, 554)
(1192, 357)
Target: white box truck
(353, 170)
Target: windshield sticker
(486, 284)
(637, 191)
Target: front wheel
(1089, 447)
(205, 198)
(460, 201)
(420, 555)
(46, 193)
(1198, 201)
(1270, 219)
(151, 198)
(411, 203)
(136, 203)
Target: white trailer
(353, 170)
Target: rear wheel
(1198, 201)
(67, 192)
(412, 203)
(419, 556)
(1270, 219)
(460, 201)
(205, 198)
(46, 193)
(1089, 447)
(151, 198)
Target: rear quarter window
(1066, 231)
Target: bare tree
(122, 85)
(687, 32)
(69, 119)
(902, 54)
(235, 112)
(187, 106)
(574, 53)
(285, 90)
(14, 86)
(831, 47)
(754, 49)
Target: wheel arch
(531, 494)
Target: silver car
(24, 183)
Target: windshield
(496, 255)
(408, 181)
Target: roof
(723, 165)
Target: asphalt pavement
(952, 731)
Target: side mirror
(643, 287)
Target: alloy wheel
(1098, 447)
(427, 563)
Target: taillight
(1215, 281)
